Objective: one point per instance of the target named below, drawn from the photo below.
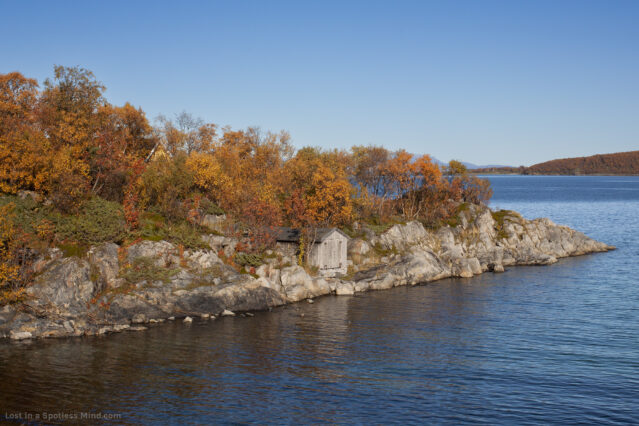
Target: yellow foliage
(207, 172)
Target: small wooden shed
(328, 253)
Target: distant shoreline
(548, 174)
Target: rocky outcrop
(96, 295)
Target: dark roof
(292, 235)
(287, 235)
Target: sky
(488, 82)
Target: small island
(111, 224)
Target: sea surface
(535, 345)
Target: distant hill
(620, 163)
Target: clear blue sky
(506, 82)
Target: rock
(263, 270)
(66, 286)
(221, 243)
(202, 259)
(227, 313)
(205, 316)
(105, 259)
(62, 301)
(344, 289)
(23, 195)
(138, 319)
(187, 320)
(20, 335)
(171, 318)
(248, 314)
(214, 222)
(45, 261)
(164, 253)
(358, 247)
(402, 237)
(138, 328)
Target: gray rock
(138, 319)
(164, 253)
(66, 287)
(214, 222)
(61, 300)
(20, 335)
(105, 259)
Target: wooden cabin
(328, 251)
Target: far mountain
(619, 163)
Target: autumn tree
(465, 186)
(24, 152)
(318, 191)
(68, 114)
(123, 138)
(186, 133)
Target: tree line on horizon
(69, 145)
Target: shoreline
(87, 296)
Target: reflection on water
(535, 344)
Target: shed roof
(292, 235)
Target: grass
(455, 220)
(155, 227)
(73, 249)
(500, 217)
(145, 269)
(381, 251)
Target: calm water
(557, 344)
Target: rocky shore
(116, 288)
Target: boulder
(164, 253)
(214, 222)
(402, 237)
(202, 259)
(66, 287)
(105, 259)
(20, 335)
(344, 289)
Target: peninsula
(108, 223)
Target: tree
(123, 138)
(24, 150)
(68, 114)
(466, 187)
(186, 133)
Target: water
(534, 345)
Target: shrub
(209, 207)
(98, 221)
(247, 259)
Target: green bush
(98, 221)
(209, 207)
(247, 259)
